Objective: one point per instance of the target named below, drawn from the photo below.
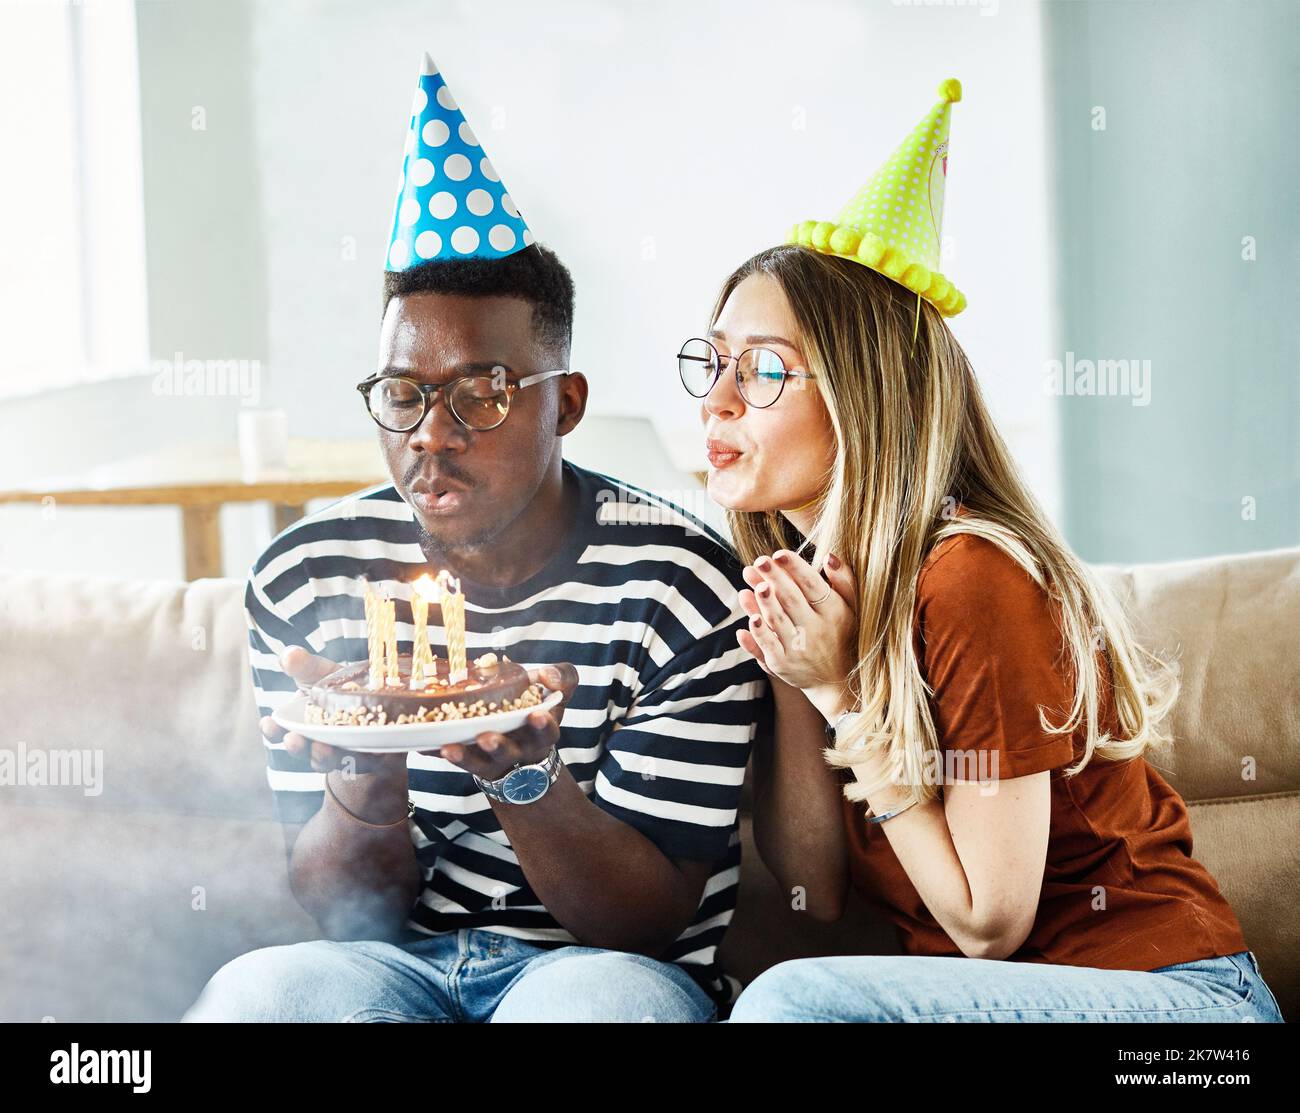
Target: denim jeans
(466, 975)
(917, 988)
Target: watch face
(523, 786)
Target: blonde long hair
(913, 441)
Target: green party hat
(893, 224)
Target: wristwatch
(524, 784)
(831, 728)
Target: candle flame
(435, 589)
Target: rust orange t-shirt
(1121, 890)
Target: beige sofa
(117, 904)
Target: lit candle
(422, 667)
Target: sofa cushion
(115, 917)
(1231, 623)
(153, 675)
(1248, 846)
(97, 922)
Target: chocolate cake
(344, 698)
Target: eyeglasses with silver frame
(760, 372)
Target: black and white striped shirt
(641, 598)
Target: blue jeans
(917, 988)
(466, 975)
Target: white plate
(400, 737)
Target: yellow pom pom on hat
(894, 223)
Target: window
(73, 300)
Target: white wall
(653, 146)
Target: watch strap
(832, 729)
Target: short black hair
(534, 275)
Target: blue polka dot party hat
(894, 223)
(451, 203)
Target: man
(604, 898)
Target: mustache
(443, 467)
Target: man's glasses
(480, 401)
(760, 372)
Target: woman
(988, 708)
(1053, 843)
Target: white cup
(263, 443)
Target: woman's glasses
(760, 372)
(480, 401)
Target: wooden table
(202, 477)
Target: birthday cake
(346, 697)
